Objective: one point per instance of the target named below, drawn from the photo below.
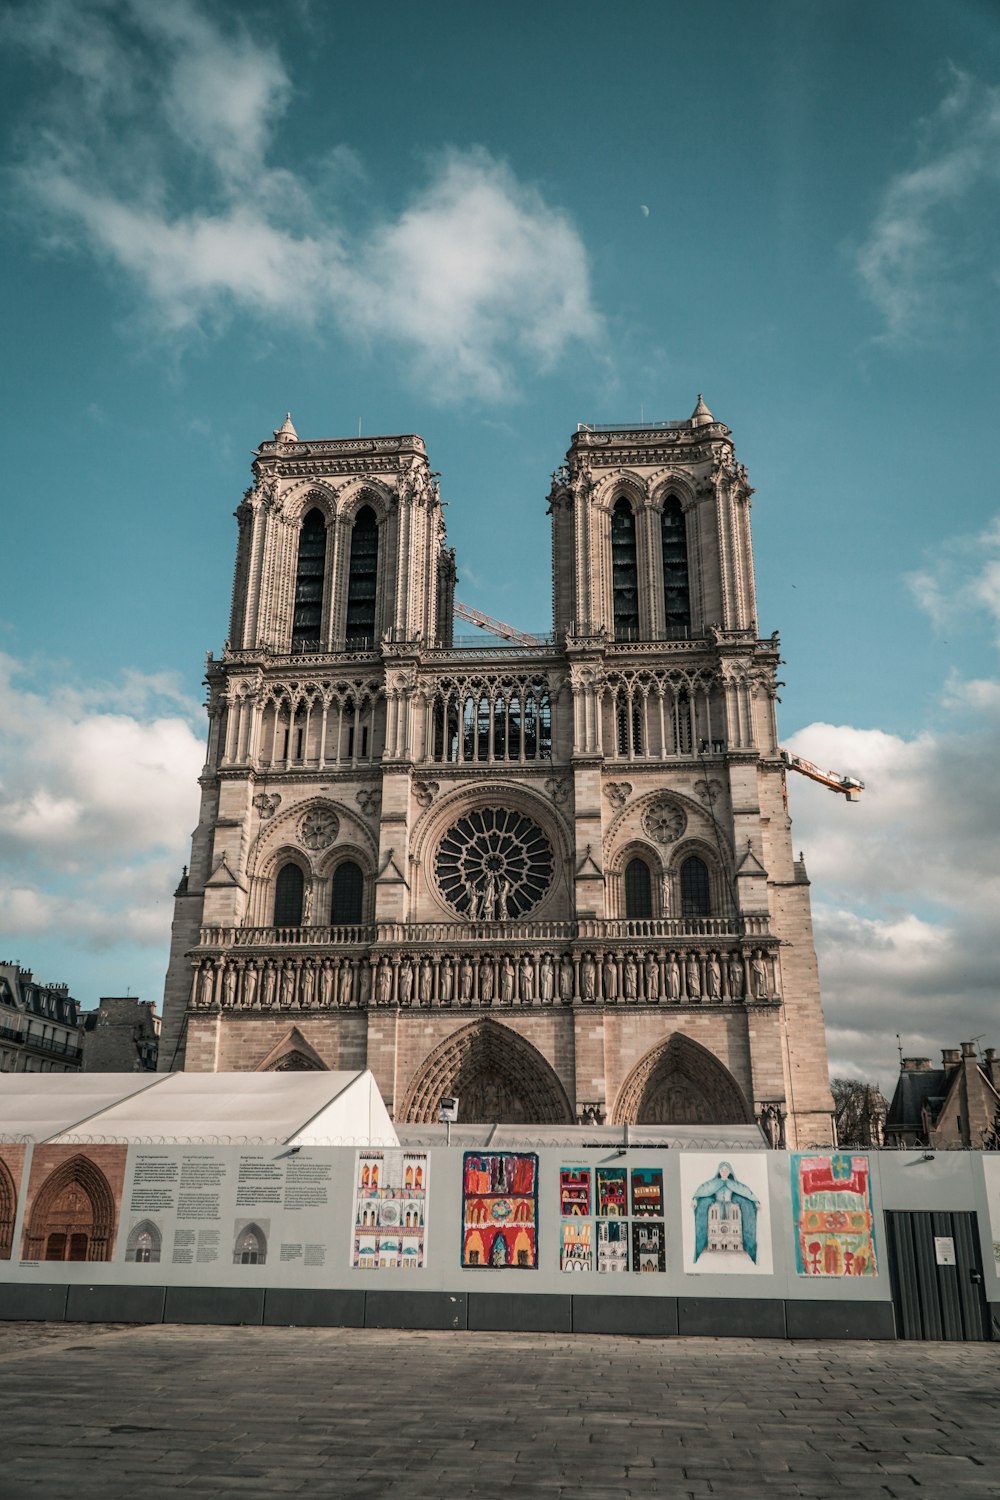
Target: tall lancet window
(624, 574)
(307, 619)
(676, 590)
(361, 578)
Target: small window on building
(624, 572)
(308, 609)
(348, 894)
(676, 590)
(362, 576)
(638, 890)
(289, 889)
(695, 896)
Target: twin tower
(551, 876)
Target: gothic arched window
(251, 1247)
(638, 890)
(307, 619)
(348, 894)
(289, 889)
(624, 573)
(676, 590)
(696, 899)
(361, 578)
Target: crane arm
(495, 627)
(848, 786)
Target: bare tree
(859, 1112)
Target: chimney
(977, 1111)
(991, 1064)
(950, 1057)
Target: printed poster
(12, 1155)
(72, 1203)
(612, 1193)
(649, 1251)
(390, 1212)
(725, 1213)
(612, 1246)
(500, 1210)
(832, 1216)
(574, 1192)
(575, 1253)
(647, 1193)
(991, 1171)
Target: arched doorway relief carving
(679, 1082)
(8, 1210)
(497, 1076)
(73, 1215)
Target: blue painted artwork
(725, 1214)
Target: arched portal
(8, 1210)
(680, 1082)
(497, 1077)
(73, 1215)
(144, 1242)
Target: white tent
(238, 1108)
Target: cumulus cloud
(962, 579)
(97, 800)
(171, 179)
(934, 236)
(906, 888)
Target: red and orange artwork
(11, 1173)
(574, 1192)
(612, 1193)
(834, 1220)
(500, 1210)
(72, 1202)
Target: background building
(956, 1105)
(121, 1036)
(552, 876)
(38, 1024)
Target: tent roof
(239, 1108)
(580, 1137)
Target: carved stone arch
(338, 854)
(497, 1076)
(669, 482)
(8, 1210)
(75, 1199)
(720, 867)
(679, 1082)
(362, 491)
(615, 865)
(621, 482)
(292, 1054)
(304, 495)
(147, 1227)
(693, 810)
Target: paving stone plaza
(116, 1411)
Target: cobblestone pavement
(114, 1411)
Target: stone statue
(527, 980)
(503, 892)
(566, 981)
(610, 979)
(426, 982)
(465, 982)
(405, 982)
(758, 976)
(308, 983)
(326, 984)
(631, 977)
(473, 895)
(772, 1124)
(229, 986)
(489, 905)
(485, 982)
(651, 974)
(249, 987)
(383, 983)
(692, 978)
(445, 981)
(287, 986)
(673, 978)
(546, 979)
(207, 986)
(735, 977)
(346, 986)
(269, 983)
(506, 981)
(713, 977)
(588, 977)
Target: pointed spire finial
(701, 416)
(286, 432)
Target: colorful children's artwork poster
(649, 1252)
(11, 1173)
(612, 1193)
(726, 1218)
(832, 1215)
(574, 1192)
(390, 1210)
(72, 1202)
(500, 1210)
(575, 1253)
(612, 1245)
(991, 1169)
(647, 1193)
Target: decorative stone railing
(360, 935)
(475, 934)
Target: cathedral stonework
(551, 877)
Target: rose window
(494, 864)
(319, 828)
(664, 821)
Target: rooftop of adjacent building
(19, 990)
(922, 1089)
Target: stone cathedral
(551, 876)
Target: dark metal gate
(936, 1269)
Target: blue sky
(486, 225)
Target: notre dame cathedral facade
(554, 876)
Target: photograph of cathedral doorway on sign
(11, 1173)
(726, 1222)
(500, 1211)
(832, 1215)
(73, 1201)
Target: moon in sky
(645, 210)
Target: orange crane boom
(495, 627)
(848, 786)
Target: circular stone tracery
(494, 864)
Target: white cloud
(170, 180)
(906, 887)
(97, 800)
(962, 578)
(933, 239)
